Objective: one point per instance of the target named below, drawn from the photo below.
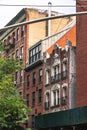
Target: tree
(13, 110)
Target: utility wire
(38, 5)
(42, 19)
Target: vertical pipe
(49, 14)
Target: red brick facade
(81, 68)
(34, 85)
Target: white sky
(8, 12)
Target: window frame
(33, 99)
(39, 96)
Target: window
(35, 54)
(40, 75)
(47, 101)
(28, 80)
(22, 30)
(56, 73)
(33, 57)
(20, 93)
(26, 124)
(47, 77)
(64, 66)
(13, 37)
(64, 73)
(21, 52)
(55, 97)
(39, 53)
(27, 99)
(40, 96)
(34, 78)
(9, 40)
(17, 34)
(21, 75)
(64, 98)
(58, 97)
(33, 121)
(17, 54)
(33, 99)
(64, 92)
(16, 77)
(13, 55)
(5, 42)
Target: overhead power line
(38, 5)
(42, 19)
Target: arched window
(64, 91)
(56, 70)
(64, 73)
(47, 77)
(55, 96)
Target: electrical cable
(38, 5)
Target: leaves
(13, 110)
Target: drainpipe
(49, 14)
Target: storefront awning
(62, 118)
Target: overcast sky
(8, 12)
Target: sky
(8, 12)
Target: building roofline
(16, 17)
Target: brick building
(59, 82)
(19, 39)
(60, 74)
(34, 83)
(36, 86)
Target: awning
(62, 118)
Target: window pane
(34, 51)
(40, 47)
(37, 49)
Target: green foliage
(13, 110)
